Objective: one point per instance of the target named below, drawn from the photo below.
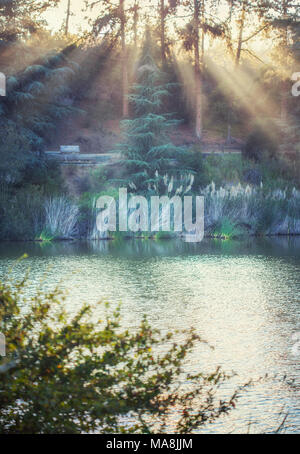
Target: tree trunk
(135, 24)
(237, 62)
(202, 32)
(284, 89)
(240, 38)
(68, 18)
(198, 76)
(162, 31)
(125, 108)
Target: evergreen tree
(34, 97)
(147, 147)
(32, 109)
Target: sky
(78, 23)
(56, 16)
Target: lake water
(241, 297)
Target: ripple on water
(243, 298)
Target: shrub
(67, 374)
(227, 229)
(27, 214)
(21, 213)
(224, 169)
(193, 161)
(15, 153)
(46, 175)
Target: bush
(28, 214)
(46, 175)
(15, 153)
(74, 375)
(228, 230)
(21, 213)
(193, 160)
(224, 169)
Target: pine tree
(147, 147)
(33, 101)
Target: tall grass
(255, 210)
(230, 211)
(29, 215)
(60, 217)
(92, 231)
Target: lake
(243, 298)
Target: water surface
(242, 297)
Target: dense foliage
(35, 98)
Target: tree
(68, 18)
(165, 8)
(34, 103)
(282, 16)
(198, 67)
(147, 148)
(135, 10)
(65, 374)
(190, 35)
(241, 11)
(193, 37)
(272, 16)
(125, 107)
(240, 33)
(20, 17)
(163, 30)
(296, 42)
(112, 19)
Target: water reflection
(242, 297)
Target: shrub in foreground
(67, 374)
